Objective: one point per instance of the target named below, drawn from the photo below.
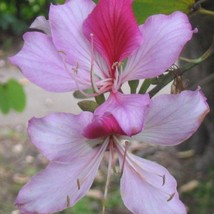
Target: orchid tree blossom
(75, 151)
(83, 45)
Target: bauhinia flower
(84, 45)
(76, 144)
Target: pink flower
(75, 146)
(84, 45)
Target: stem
(207, 12)
(166, 79)
(145, 85)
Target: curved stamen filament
(124, 157)
(93, 82)
(138, 170)
(108, 177)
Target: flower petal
(60, 185)
(163, 39)
(66, 25)
(173, 118)
(58, 136)
(128, 110)
(114, 28)
(40, 62)
(147, 187)
(41, 23)
(101, 126)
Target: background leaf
(12, 95)
(145, 8)
(4, 102)
(16, 95)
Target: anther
(171, 197)
(164, 180)
(68, 201)
(75, 69)
(78, 184)
(61, 51)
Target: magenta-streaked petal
(101, 126)
(114, 28)
(59, 136)
(40, 62)
(60, 185)
(41, 23)
(147, 187)
(173, 118)
(128, 110)
(163, 40)
(66, 25)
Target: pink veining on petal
(147, 187)
(60, 185)
(114, 28)
(173, 118)
(164, 37)
(102, 126)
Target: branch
(166, 79)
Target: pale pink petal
(147, 187)
(60, 185)
(173, 118)
(128, 110)
(163, 39)
(66, 25)
(40, 62)
(114, 28)
(41, 23)
(59, 135)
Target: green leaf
(100, 99)
(80, 95)
(16, 95)
(145, 8)
(4, 101)
(88, 105)
(145, 85)
(133, 84)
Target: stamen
(124, 157)
(114, 65)
(73, 76)
(113, 157)
(93, 83)
(171, 197)
(107, 182)
(78, 183)
(68, 201)
(123, 151)
(75, 69)
(164, 180)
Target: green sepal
(133, 84)
(88, 105)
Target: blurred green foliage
(16, 15)
(145, 8)
(12, 96)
